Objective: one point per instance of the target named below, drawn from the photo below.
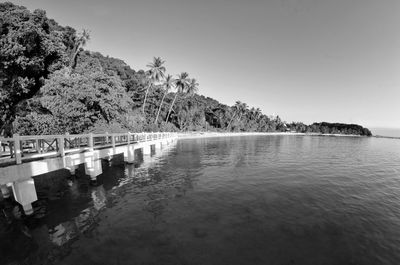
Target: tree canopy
(50, 84)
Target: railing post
(90, 142)
(61, 150)
(113, 143)
(37, 146)
(17, 148)
(67, 144)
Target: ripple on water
(238, 200)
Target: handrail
(60, 145)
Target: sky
(304, 60)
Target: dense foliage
(49, 85)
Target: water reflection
(260, 200)
(66, 231)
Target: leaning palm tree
(236, 109)
(155, 74)
(242, 110)
(181, 83)
(168, 84)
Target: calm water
(241, 200)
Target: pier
(23, 157)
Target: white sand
(230, 134)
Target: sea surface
(389, 132)
(279, 200)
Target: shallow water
(238, 200)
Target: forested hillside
(49, 84)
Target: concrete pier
(146, 149)
(93, 166)
(55, 152)
(25, 193)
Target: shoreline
(193, 135)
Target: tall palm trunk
(240, 117)
(229, 124)
(145, 98)
(159, 109)
(170, 108)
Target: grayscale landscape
(207, 132)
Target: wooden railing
(20, 148)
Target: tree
(257, 113)
(155, 74)
(80, 41)
(82, 100)
(242, 108)
(192, 87)
(181, 84)
(168, 85)
(236, 109)
(31, 47)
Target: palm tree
(192, 87)
(257, 113)
(155, 74)
(242, 109)
(168, 84)
(80, 41)
(181, 83)
(236, 109)
(252, 113)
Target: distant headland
(51, 85)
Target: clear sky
(306, 60)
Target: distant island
(50, 85)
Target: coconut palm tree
(181, 84)
(236, 109)
(192, 87)
(168, 84)
(155, 74)
(242, 110)
(257, 113)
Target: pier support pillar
(146, 149)
(25, 194)
(68, 164)
(5, 191)
(130, 156)
(93, 167)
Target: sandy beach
(231, 134)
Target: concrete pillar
(37, 146)
(25, 194)
(5, 191)
(93, 166)
(17, 149)
(60, 141)
(146, 149)
(113, 144)
(69, 164)
(107, 138)
(130, 155)
(90, 142)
